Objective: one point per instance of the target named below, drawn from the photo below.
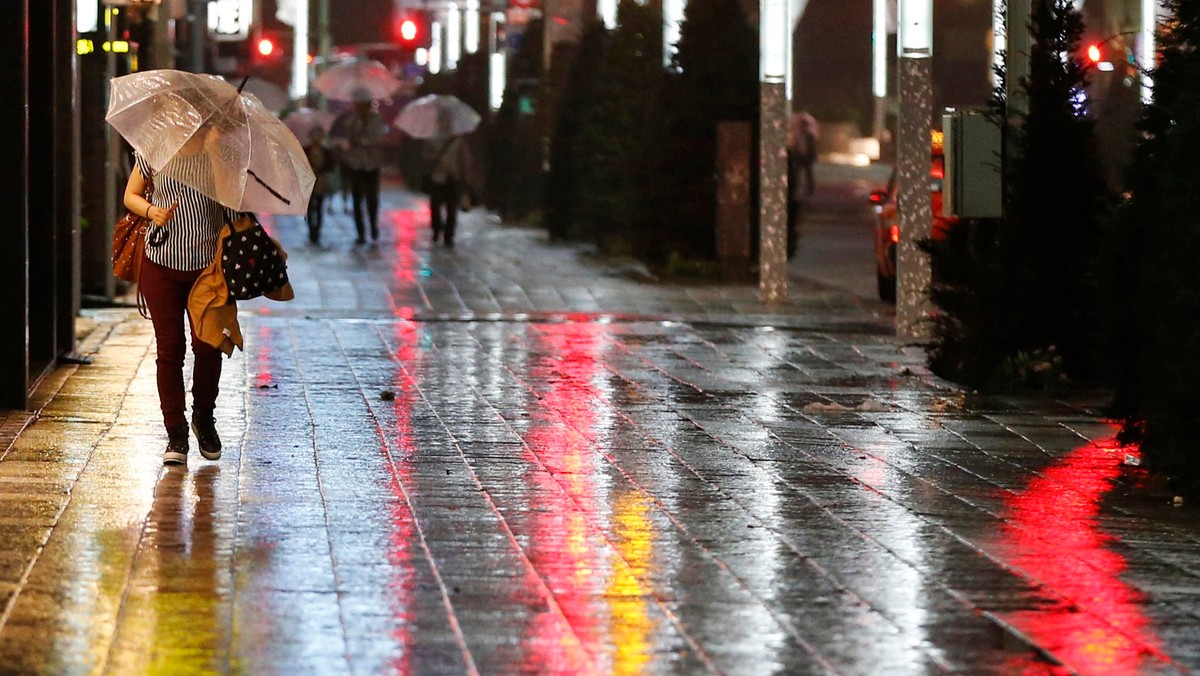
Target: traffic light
(410, 29)
(265, 47)
(1095, 57)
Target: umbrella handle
(271, 190)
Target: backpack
(251, 261)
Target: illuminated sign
(229, 20)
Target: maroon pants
(166, 292)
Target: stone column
(772, 219)
(915, 206)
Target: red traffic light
(266, 47)
(408, 30)
(1093, 53)
(411, 29)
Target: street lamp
(1151, 9)
(774, 37)
(913, 275)
(879, 63)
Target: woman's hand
(159, 215)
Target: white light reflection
(453, 35)
(916, 29)
(1151, 14)
(471, 31)
(879, 48)
(435, 47)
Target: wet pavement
(514, 457)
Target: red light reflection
(1097, 625)
(560, 547)
(406, 224)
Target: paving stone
(517, 458)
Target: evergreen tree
(1058, 197)
(1037, 289)
(577, 97)
(617, 131)
(1154, 287)
(715, 79)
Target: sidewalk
(512, 457)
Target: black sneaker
(177, 446)
(207, 439)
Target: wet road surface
(515, 458)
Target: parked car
(887, 230)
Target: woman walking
(179, 246)
(449, 162)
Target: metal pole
(112, 158)
(323, 44)
(913, 273)
(774, 28)
(198, 25)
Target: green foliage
(578, 94)
(678, 267)
(707, 85)
(618, 131)
(1154, 287)
(1040, 370)
(1032, 282)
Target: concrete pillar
(774, 26)
(913, 272)
(913, 276)
(772, 223)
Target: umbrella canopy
(271, 95)
(361, 80)
(303, 121)
(437, 115)
(199, 130)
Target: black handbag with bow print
(251, 261)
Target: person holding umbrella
(210, 153)
(449, 161)
(181, 245)
(358, 134)
(442, 121)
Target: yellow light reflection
(629, 622)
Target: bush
(618, 131)
(577, 97)
(1154, 289)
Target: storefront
(39, 255)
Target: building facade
(39, 125)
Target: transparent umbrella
(303, 121)
(360, 80)
(271, 95)
(204, 133)
(437, 115)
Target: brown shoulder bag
(129, 244)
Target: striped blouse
(191, 242)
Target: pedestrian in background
(803, 133)
(449, 179)
(358, 134)
(179, 246)
(321, 160)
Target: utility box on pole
(972, 185)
